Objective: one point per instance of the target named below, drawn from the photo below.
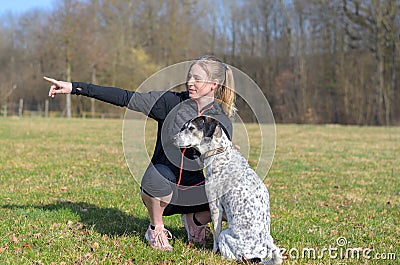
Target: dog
(234, 190)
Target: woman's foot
(196, 233)
(159, 237)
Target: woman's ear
(215, 84)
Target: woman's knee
(158, 181)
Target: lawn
(68, 197)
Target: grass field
(67, 196)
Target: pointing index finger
(51, 80)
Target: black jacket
(171, 110)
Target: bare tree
(67, 23)
(371, 27)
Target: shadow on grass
(106, 221)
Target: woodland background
(316, 61)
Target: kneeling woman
(167, 188)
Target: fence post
(46, 108)
(5, 110)
(21, 107)
(92, 107)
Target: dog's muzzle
(179, 143)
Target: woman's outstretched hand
(58, 87)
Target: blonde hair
(217, 70)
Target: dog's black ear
(210, 125)
(199, 122)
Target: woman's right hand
(58, 87)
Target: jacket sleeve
(153, 104)
(113, 95)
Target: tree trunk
(68, 78)
(380, 63)
(92, 100)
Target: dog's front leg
(216, 218)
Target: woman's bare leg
(203, 217)
(155, 207)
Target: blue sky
(20, 6)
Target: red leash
(181, 168)
(180, 174)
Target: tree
(372, 26)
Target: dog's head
(201, 133)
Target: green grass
(67, 195)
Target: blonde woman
(167, 188)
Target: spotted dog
(233, 190)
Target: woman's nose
(190, 81)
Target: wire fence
(44, 110)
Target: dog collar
(213, 152)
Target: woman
(210, 91)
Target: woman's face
(198, 84)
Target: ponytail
(225, 93)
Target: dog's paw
(276, 260)
(215, 248)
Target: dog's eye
(184, 127)
(191, 128)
